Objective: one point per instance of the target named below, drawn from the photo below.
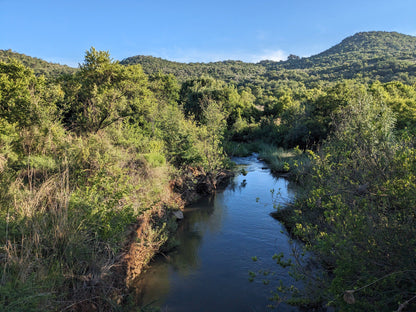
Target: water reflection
(218, 237)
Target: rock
(178, 214)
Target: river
(218, 238)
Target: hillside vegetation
(367, 56)
(39, 66)
(229, 71)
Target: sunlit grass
(285, 161)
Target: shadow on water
(218, 237)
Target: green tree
(25, 99)
(106, 92)
(234, 104)
(212, 135)
(400, 98)
(358, 209)
(165, 88)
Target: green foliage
(365, 56)
(71, 191)
(211, 136)
(294, 163)
(197, 94)
(39, 67)
(25, 99)
(353, 217)
(155, 159)
(165, 88)
(401, 99)
(372, 56)
(229, 71)
(104, 92)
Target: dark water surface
(209, 271)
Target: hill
(366, 56)
(375, 55)
(39, 66)
(236, 71)
(369, 56)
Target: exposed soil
(153, 228)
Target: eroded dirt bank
(150, 235)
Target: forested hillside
(40, 67)
(230, 71)
(366, 56)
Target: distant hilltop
(374, 55)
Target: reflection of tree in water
(293, 189)
(153, 285)
(286, 193)
(236, 186)
(204, 216)
(207, 215)
(243, 183)
(200, 218)
(184, 260)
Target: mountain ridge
(371, 55)
(39, 66)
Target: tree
(105, 92)
(231, 102)
(24, 98)
(165, 88)
(358, 212)
(293, 57)
(212, 134)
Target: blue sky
(193, 31)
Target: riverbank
(153, 230)
(156, 226)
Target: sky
(61, 31)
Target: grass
(240, 149)
(63, 224)
(294, 162)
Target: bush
(358, 214)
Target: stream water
(219, 236)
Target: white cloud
(207, 56)
(271, 55)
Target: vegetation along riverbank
(94, 160)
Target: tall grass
(294, 162)
(63, 227)
(240, 149)
(38, 236)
